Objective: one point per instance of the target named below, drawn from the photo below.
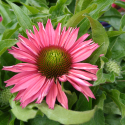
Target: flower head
(51, 57)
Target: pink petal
(63, 78)
(33, 40)
(25, 48)
(64, 36)
(80, 40)
(19, 95)
(29, 44)
(19, 77)
(78, 81)
(94, 71)
(43, 35)
(61, 97)
(84, 66)
(50, 32)
(83, 75)
(21, 67)
(77, 87)
(37, 37)
(71, 39)
(57, 32)
(84, 55)
(81, 46)
(29, 100)
(22, 85)
(51, 96)
(20, 55)
(83, 50)
(33, 89)
(87, 91)
(44, 90)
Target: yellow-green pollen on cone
(54, 61)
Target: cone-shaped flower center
(54, 61)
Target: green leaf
(113, 120)
(83, 104)
(122, 24)
(65, 116)
(9, 32)
(22, 18)
(39, 120)
(98, 118)
(72, 98)
(111, 108)
(22, 114)
(120, 3)
(77, 18)
(33, 10)
(117, 45)
(115, 96)
(95, 14)
(6, 13)
(102, 77)
(114, 33)
(99, 36)
(5, 44)
(81, 5)
(113, 17)
(59, 8)
(12, 120)
(4, 118)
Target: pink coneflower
(51, 57)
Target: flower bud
(5, 96)
(112, 66)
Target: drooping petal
(87, 91)
(78, 80)
(20, 77)
(22, 85)
(77, 87)
(19, 95)
(44, 90)
(21, 67)
(33, 89)
(51, 96)
(61, 97)
(83, 75)
(29, 100)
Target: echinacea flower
(51, 57)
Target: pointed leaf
(22, 18)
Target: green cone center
(53, 61)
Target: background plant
(109, 89)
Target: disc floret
(54, 61)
